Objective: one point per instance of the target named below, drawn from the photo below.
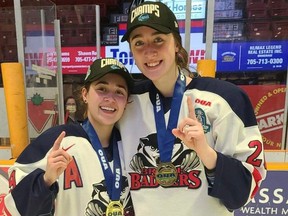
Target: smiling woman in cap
(200, 151)
(77, 169)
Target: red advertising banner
(269, 104)
(76, 60)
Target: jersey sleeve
(240, 166)
(31, 196)
(28, 193)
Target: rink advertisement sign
(272, 198)
(268, 102)
(252, 56)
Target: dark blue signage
(252, 56)
(272, 198)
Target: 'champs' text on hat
(145, 9)
(105, 62)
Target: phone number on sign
(85, 59)
(271, 61)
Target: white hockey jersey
(231, 129)
(80, 190)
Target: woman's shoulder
(70, 129)
(39, 146)
(220, 87)
(226, 93)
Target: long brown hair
(182, 55)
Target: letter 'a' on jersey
(80, 190)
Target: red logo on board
(40, 111)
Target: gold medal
(114, 208)
(166, 174)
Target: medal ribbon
(113, 179)
(164, 136)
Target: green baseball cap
(103, 66)
(156, 15)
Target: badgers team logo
(144, 164)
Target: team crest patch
(200, 115)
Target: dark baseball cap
(156, 15)
(103, 66)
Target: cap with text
(156, 15)
(101, 67)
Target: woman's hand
(57, 161)
(191, 132)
